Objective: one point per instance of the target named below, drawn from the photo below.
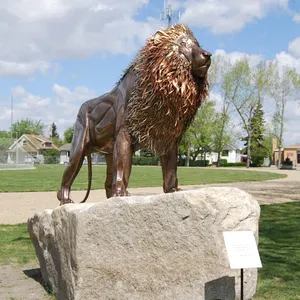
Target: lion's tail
(89, 161)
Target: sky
(56, 54)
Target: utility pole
(11, 116)
(168, 14)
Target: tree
(248, 88)
(257, 128)
(53, 131)
(27, 126)
(222, 134)
(4, 134)
(68, 134)
(198, 138)
(285, 87)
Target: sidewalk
(18, 207)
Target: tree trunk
(279, 156)
(281, 134)
(249, 150)
(219, 157)
(187, 160)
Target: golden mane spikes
(166, 96)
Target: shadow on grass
(21, 238)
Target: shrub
(223, 162)
(194, 163)
(237, 164)
(51, 156)
(145, 161)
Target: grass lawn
(279, 248)
(48, 177)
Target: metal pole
(242, 284)
(11, 116)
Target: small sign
(242, 250)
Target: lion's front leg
(169, 170)
(122, 162)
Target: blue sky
(56, 54)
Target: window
(225, 153)
(24, 142)
(47, 144)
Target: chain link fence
(16, 158)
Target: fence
(14, 159)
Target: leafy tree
(222, 135)
(68, 134)
(4, 134)
(285, 86)
(248, 88)
(198, 138)
(27, 126)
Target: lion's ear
(157, 36)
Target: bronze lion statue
(150, 107)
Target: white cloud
(294, 47)
(9, 68)
(227, 16)
(296, 18)
(234, 56)
(61, 107)
(33, 32)
(286, 59)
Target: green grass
(48, 177)
(279, 247)
(15, 245)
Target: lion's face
(189, 49)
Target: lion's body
(151, 107)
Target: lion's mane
(166, 95)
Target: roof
(36, 142)
(231, 147)
(65, 147)
(296, 146)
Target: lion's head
(170, 85)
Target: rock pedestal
(160, 247)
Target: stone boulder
(160, 247)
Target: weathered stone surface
(161, 247)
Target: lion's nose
(207, 54)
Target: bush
(51, 160)
(237, 164)
(145, 161)
(194, 163)
(51, 156)
(257, 161)
(223, 162)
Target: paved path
(18, 207)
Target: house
(292, 152)
(29, 148)
(231, 153)
(65, 149)
(64, 152)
